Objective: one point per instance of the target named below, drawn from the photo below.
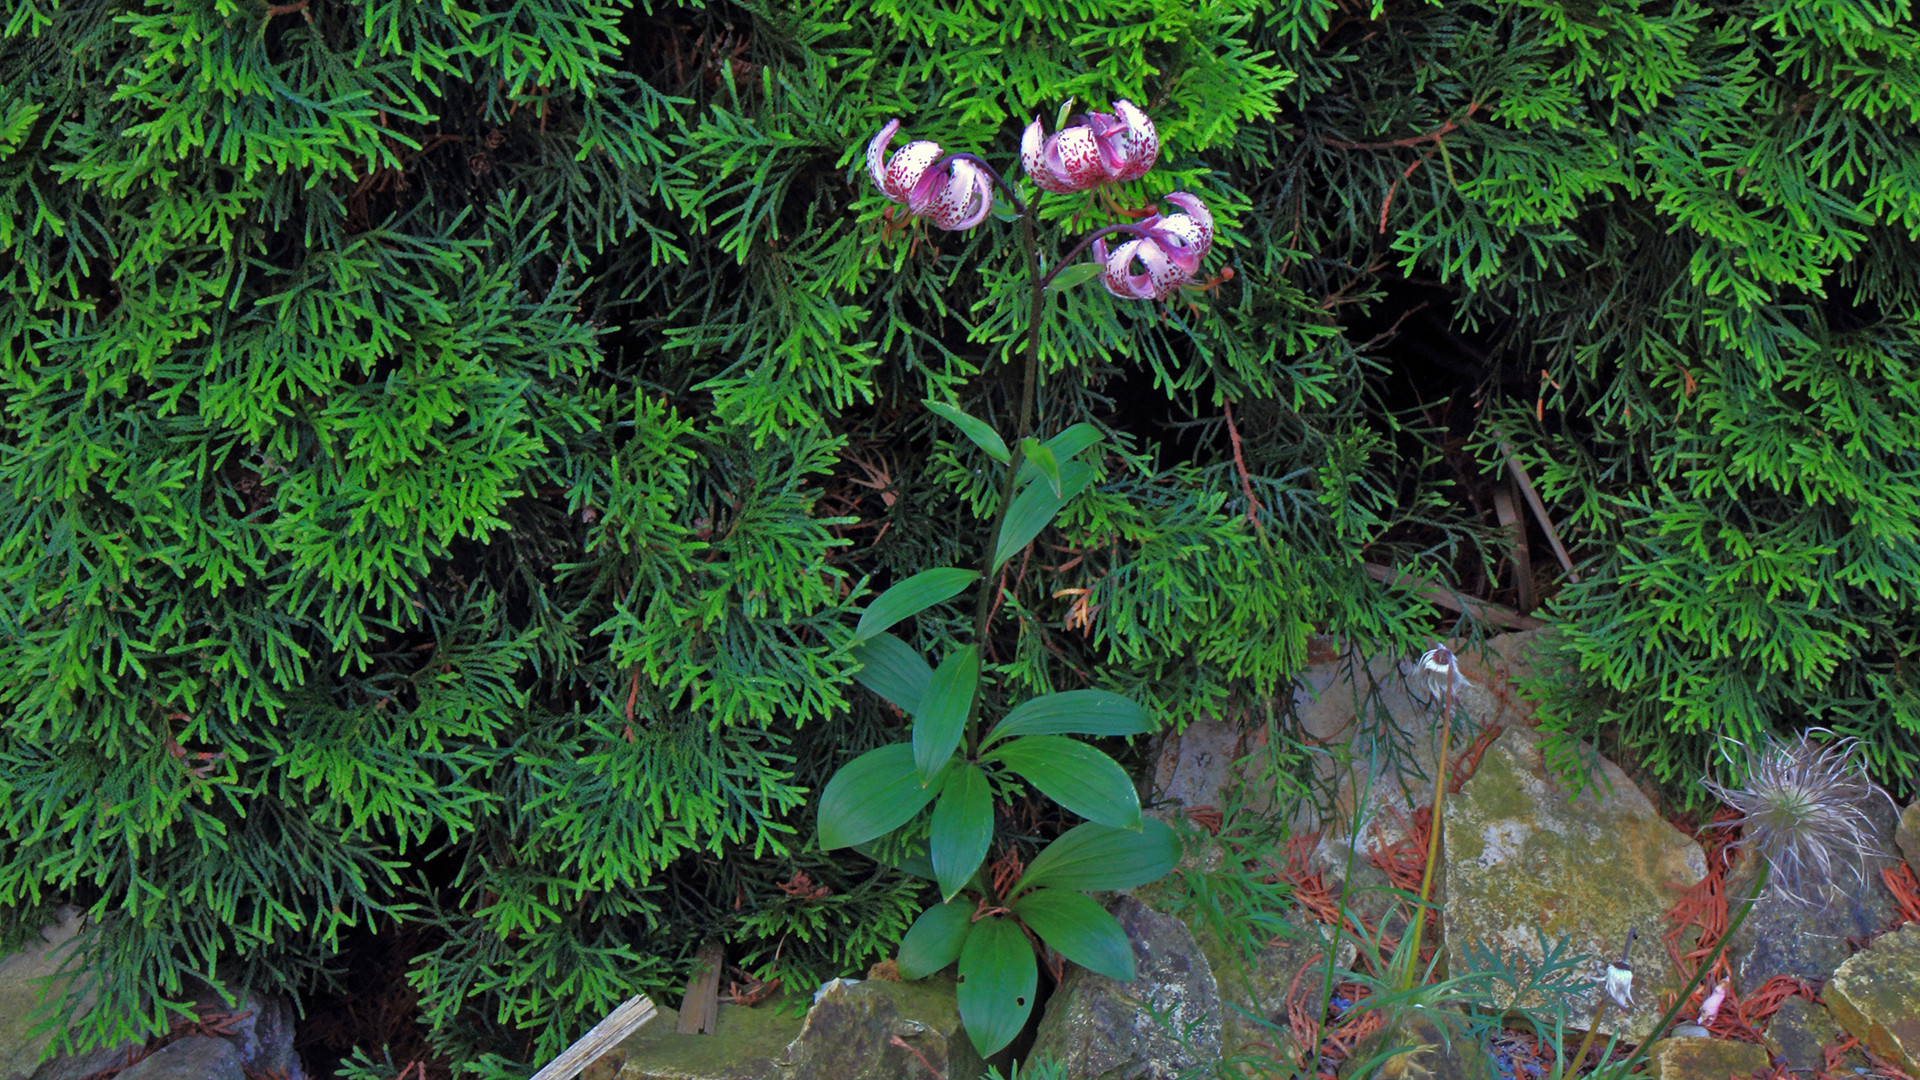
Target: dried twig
(632, 1014)
(1539, 510)
(1480, 609)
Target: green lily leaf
(962, 827)
(978, 431)
(935, 938)
(871, 796)
(942, 716)
(1042, 459)
(912, 596)
(1075, 712)
(1034, 507)
(1065, 447)
(891, 668)
(1074, 276)
(997, 978)
(1094, 856)
(1075, 775)
(1083, 932)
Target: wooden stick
(1539, 510)
(632, 1014)
(1479, 609)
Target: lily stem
(1029, 390)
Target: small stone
(847, 1035)
(1705, 1059)
(1907, 835)
(1165, 1022)
(197, 1057)
(1440, 1050)
(1876, 997)
(1799, 1033)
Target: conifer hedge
(445, 446)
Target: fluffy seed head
(1802, 808)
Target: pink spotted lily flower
(952, 193)
(1170, 247)
(1098, 148)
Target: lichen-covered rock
(20, 996)
(1164, 1022)
(1807, 938)
(1799, 1033)
(1876, 997)
(1705, 1059)
(196, 1057)
(1523, 859)
(1437, 1049)
(848, 1034)
(1907, 835)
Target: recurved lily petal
(1121, 280)
(1098, 148)
(952, 199)
(896, 178)
(1129, 143)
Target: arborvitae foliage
(443, 445)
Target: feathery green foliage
(444, 447)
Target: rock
(1705, 1059)
(196, 1057)
(1799, 1033)
(1907, 835)
(1438, 1050)
(1522, 861)
(1163, 1022)
(1253, 990)
(1380, 729)
(1876, 997)
(1808, 941)
(20, 995)
(1196, 765)
(1385, 725)
(846, 1035)
(264, 1036)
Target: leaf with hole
(870, 796)
(962, 827)
(942, 715)
(1042, 459)
(1080, 929)
(934, 939)
(891, 668)
(1094, 856)
(997, 978)
(1075, 775)
(912, 596)
(1074, 712)
(1034, 507)
(978, 431)
(1074, 276)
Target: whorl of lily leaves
(1098, 148)
(953, 194)
(1169, 247)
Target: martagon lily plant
(992, 921)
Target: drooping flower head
(952, 193)
(1169, 247)
(1803, 809)
(1094, 149)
